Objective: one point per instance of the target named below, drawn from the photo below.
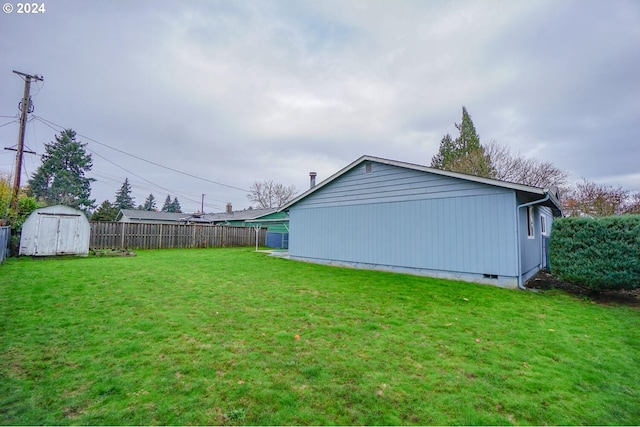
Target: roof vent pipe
(229, 208)
(312, 179)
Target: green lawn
(208, 336)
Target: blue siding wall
(404, 218)
(531, 248)
(388, 183)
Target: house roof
(243, 215)
(553, 201)
(143, 215)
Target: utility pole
(24, 110)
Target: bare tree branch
(268, 194)
(590, 199)
(632, 205)
(523, 170)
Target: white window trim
(543, 225)
(531, 226)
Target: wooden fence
(5, 235)
(125, 235)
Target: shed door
(56, 235)
(67, 235)
(46, 236)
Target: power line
(146, 180)
(175, 193)
(171, 192)
(49, 123)
(139, 187)
(8, 123)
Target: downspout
(524, 205)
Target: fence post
(5, 236)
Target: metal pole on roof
(202, 205)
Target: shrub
(26, 205)
(600, 253)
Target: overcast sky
(241, 91)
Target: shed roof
(553, 201)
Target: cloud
(237, 91)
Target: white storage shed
(55, 230)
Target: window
(530, 227)
(543, 225)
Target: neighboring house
(239, 218)
(276, 223)
(55, 230)
(389, 215)
(153, 217)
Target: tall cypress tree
(469, 140)
(464, 154)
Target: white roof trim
(473, 178)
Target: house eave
(488, 181)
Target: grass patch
(208, 336)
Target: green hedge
(600, 253)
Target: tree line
(466, 154)
(61, 179)
(108, 211)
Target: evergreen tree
(171, 206)
(468, 141)
(167, 207)
(123, 197)
(464, 154)
(105, 212)
(60, 179)
(175, 206)
(446, 153)
(150, 203)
